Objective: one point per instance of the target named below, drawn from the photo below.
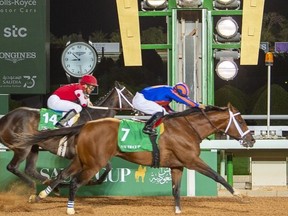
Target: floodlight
(227, 30)
(226, 4)
(189, 3)
(227, 68)
(154, 5)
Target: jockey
(71, 98)
(155, 101)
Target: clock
(79, 59)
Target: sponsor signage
(107, 47)
(24, 35)
(264, 46)
(125, 178)
(281, 47)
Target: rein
(193, 128)
(231, 119)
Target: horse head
(237, 128)
(124, 95)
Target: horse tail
(46, 135)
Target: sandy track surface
(16, 204)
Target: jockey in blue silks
(155, 101)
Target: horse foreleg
(13, 167)
(201, 167)
(176, 184)
(30, 168)
(80, 179)
(71, 170)
(102, 177)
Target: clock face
(78, 59)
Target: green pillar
(4, 105)
(230, 169)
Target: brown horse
(179, 147)
(24, 120)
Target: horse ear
(116, 83)
(229, 105)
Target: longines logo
(17, 56)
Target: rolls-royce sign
(24, 35)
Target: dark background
(74, 16)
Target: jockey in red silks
(72, 97)
(155, 101)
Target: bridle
(231, 119)
(120, 96)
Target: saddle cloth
(49, 117)
(132, 139)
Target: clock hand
(78, 59)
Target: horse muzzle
(248, 141)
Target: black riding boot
(148, 128)
(69, 115)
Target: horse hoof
(177, 210)
(34, 199)
(42, 194)
(237, 194)
(70, 211)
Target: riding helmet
(182, 89)
(89, 80)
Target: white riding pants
(55, 103)
(146, 106)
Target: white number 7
(126, 130)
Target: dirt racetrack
(16, 204)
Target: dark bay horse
(25, 120)
(179, 147)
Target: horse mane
(103, 98)
(190, 110)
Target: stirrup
(59, 125)
(150, 131)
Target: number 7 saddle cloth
(132, 139)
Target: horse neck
(109, 100)
(205, 126)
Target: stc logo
(15, 32)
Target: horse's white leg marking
(70, 208)
(177, 210)
(237, 193)
(43, 194)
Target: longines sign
(24, 35)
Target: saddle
(49, 117)
(132, 139)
